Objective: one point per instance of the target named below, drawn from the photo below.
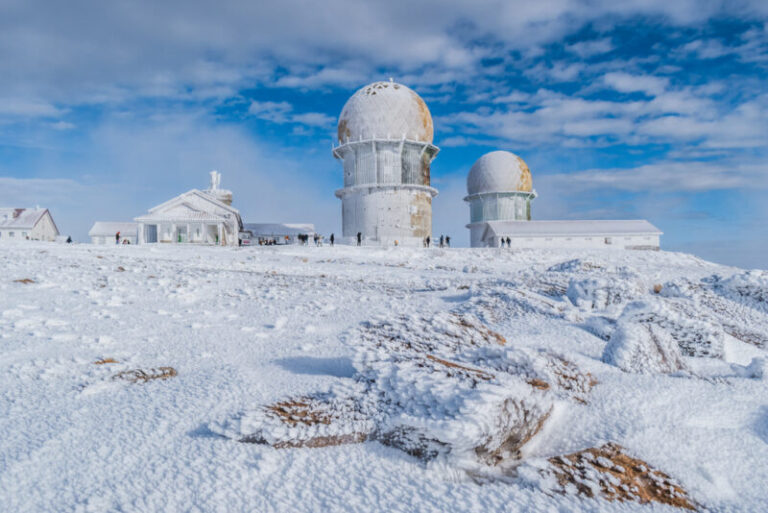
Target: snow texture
(302, 379)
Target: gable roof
(21, 217)
(197, 193)
(107, 228)
(193, 213)
(572, 228)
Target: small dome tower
(499, 188)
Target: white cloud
(277, 112)
(627, 83)
(282, 112)
(587, 49)
(30, 108)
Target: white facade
(196, 216)
(622, 234)
(103, 232)
(385, 136)
(279, 233)
(27, 224)
(499, 193)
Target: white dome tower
(385, 143)
(499, 188)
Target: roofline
(197, 192)
(361, 142)
(532, 194)
(654, 231)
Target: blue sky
(637, 109)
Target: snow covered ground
(676, 346)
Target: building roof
(573, 228)
(21, 217)
(499, 171)
(385, 110)
(109, 229)
(273, 229)
(181, 209)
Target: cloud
(277, 112)
(88, 52)
(626, 83)
(282, 112)
(29, 108)
(587, 49)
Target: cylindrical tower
(499, 188)
(385, 144)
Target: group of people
(507, 240)
(445, 241)
(117, 239)
(318, 239)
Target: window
(11, 234)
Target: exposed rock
(607, 472)
(144, 375)
(317, 421)
(103, 361)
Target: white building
(277, 233)
(104, 232)
(201, 217)
(27, 224)
(500, 192)
(385, 143)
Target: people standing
(117, 238)
(359, 238)
(332, 239)
(509, 242)
(448, 240)
(442, 241)
(428, 240)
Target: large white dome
(385, 110)
(499, 171)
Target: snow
(247, 327)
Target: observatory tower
(385, 143)
(499, 188)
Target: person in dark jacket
(509, 242)
(428, 240)
(332, 239)
(359, 238)
(448, 240)
(117, 238)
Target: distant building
(27, 224)
(199, 217)
(104, 232)
(276, 233)
(500, 192)
(385, 143)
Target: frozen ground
(682, 385)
